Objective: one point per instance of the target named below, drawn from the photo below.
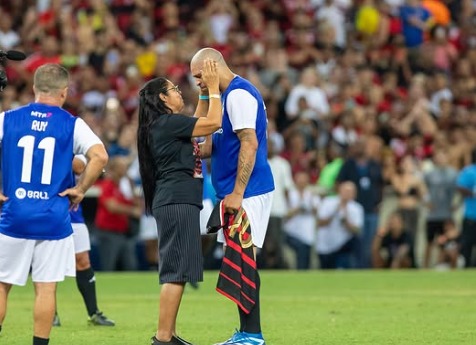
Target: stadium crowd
(371, 107)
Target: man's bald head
(199, 58)
(206, 53)
(197, 63)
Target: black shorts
(180, 244)
(433, 229)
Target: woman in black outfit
(170, 169)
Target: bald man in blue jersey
(39, 141)
(240, 171)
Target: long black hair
(150, 108)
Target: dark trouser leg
(410, 221)
(303, 252)
(468, 240)
(366, 238)
(128, 255)
(273, 245)
(343, 260)
(110, 245)
(327, 261)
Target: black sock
(40, 341)
(0, 328)
(242, 319)
(252, 321)
(87, 286)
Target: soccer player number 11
(47, 144)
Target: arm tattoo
(245, 168)
(247, 156)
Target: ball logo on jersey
(21, 193)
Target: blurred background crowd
(371, 107)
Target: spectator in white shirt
(340, 220)
(345, 133)
(334, 16)
(272, 253)
(441, 92)
(300, 227)
(308, 88)
(8, 37)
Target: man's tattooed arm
(246, 158)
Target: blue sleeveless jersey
(226, 147)
(37, 155)
(77, 216)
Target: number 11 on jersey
(47, 144)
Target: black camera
(11, 55)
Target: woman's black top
(178, 167)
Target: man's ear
(64, 93)
(163, 97)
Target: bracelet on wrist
(214, 95)
(203, 97)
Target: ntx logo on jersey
(22, 193)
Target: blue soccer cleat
(243, 338)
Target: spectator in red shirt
(116, 241)
(48, 53)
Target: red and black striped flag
(237, 277)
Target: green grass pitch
(309, 308)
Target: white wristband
(214, 95)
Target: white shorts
(81, 238)
(258, 209)
(148, 228)
(50, 261)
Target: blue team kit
(36, 163)
(226, 148)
